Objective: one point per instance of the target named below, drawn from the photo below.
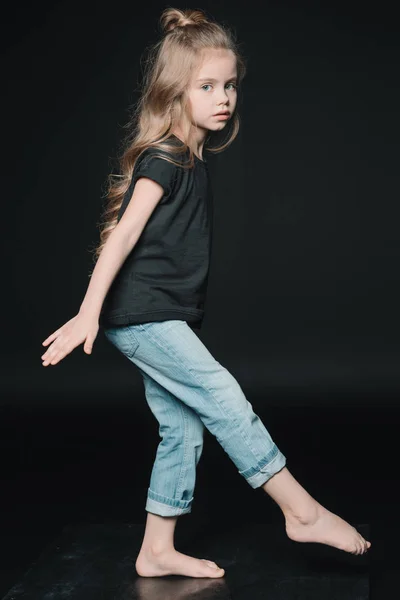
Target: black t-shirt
(165, 275)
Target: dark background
(304, 288)
(304, 278)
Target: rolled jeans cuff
(166, 507)
(257, 476)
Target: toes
(210, 563)
(365, 545)
(214, 567)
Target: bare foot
(323, 526)
(171, 562)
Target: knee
(230, 392)
(185, 441)
(189, 432)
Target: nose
(223, 99)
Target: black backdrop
(304, 290)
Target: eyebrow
(212, 79)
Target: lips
(225, 112)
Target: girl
(148, 292)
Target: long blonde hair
(163, 102)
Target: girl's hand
(79, 329)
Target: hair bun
(174, 17)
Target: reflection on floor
(89, 562)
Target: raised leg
(307, 520)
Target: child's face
(213, 89)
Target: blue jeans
(187, 390)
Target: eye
(209, 84)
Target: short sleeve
(151, 165)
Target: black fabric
(165, 275)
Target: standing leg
(173, 476)
(171, 488)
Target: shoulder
(161, 165)
(158, 158)
(171, 150)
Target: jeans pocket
(123, 338)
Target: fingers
(55, 353)
(50, 338)
(54, 357)
(88, 348)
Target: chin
(220, 124)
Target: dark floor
(74, 484)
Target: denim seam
(133, 342)
(185, 450)
(210, 392)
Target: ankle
(305, 514)
(157, 549)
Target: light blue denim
(187, 390)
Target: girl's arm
(84, 326)
(146, 195)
